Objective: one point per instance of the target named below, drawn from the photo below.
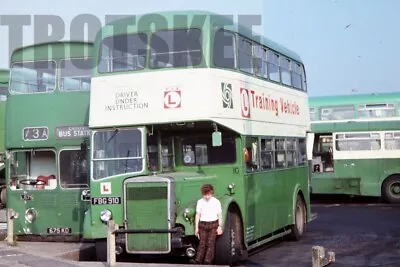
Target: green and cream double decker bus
(3, 98)
(46, 121)
(190, 102)
(355, 144)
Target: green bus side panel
(147, 208)
(269, 198)
(324, 183)
(355, 177)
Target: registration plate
(106, 200)
(59, 230)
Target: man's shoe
(193, 261)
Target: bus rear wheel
(229, 246)
(391, 189)
(300, 220)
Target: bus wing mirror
(216, 139)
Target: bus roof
(4, 73)
(40, 51)
(170, 17)
(353, 99)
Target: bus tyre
(3, 196)
(229, 246)
(391, 189)
(300, 220)
(101, 250)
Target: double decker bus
(46, 121)
(355, 144)
(195, 100)
(3, 98)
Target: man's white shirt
(208, 210)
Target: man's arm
(196, 222)
(219, 219)
(197, 219)
(219, 215)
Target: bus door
(346, 180)
(322, 153)
(73, 182)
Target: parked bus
(46, 121)
(172, 108)
(356, 145)
(3, 98)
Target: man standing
(208, 224)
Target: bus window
(303, 75)
(376, 111)
(296, 75)
(337, 113)
(123, 53)
(199, 151)
(117, 152)
(280, 153)
(33, 77)
(273, 66)
(176, 48)
(75, 74)
(358, 141)
(73, 169)
(31, 170)
(392, 141)
(167, 154)
(285, 71)
(312, 114)
(302, 151)
(152, 153)
(267, 154)
(253, 162)
(245, 55)
(291, 158)
(224, 50)
(260, 61)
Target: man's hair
(206, 189)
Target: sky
(347, 46)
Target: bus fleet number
(106, 200)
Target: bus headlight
(188, 213)
(105, 215)
(30, 215)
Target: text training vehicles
(356, 145)
(171, 108)
(47, 119)
(3, 98)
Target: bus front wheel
(229, 246)
(3, 196)
(391, 189)
(300, 220)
